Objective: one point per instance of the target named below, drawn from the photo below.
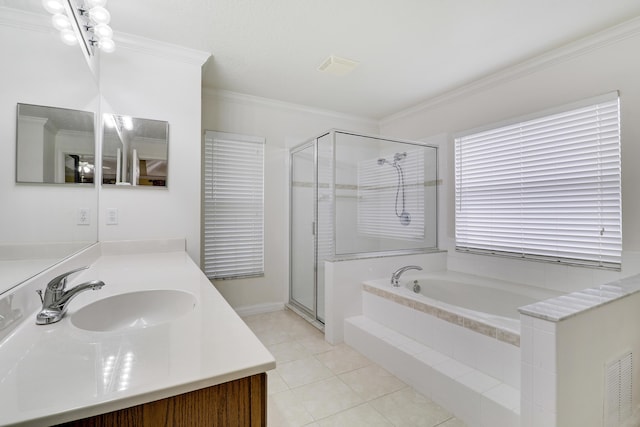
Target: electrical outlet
(112, 216)
(84, 216)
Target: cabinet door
(239, 403)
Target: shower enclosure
(355, 196)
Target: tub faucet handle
(59, 283)
(395, 277)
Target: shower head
(381, 161)
(399, 156)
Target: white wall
(283, 126)
(150, 80)
(31, 154)
(600, 64)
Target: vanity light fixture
(85, 22)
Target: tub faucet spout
(56, 299)
(395, 277)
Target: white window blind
(233, 205)
(386, 191)
(546, 188)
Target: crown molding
(283, 105)
(161, 49)
(41, 23)
(612, 35)
(23, 20)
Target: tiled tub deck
(466, 362)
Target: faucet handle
(59, 282)
(39, 292)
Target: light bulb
(109, 121)
(68, 37)
(99, 15)
(127, 122)
(60, 21)
(106, 45)
(103, 31)
(53, 6)
(93, 3)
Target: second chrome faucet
(395, 277)
(56, 298)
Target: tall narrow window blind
(546, 188)
(233, 205)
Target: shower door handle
(313, 228)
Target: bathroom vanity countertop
(56, 373)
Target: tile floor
(317, 384)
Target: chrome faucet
(395, 277)
(56, 298)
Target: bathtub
(471, 319)
(457, 340)
(489, 301)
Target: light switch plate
(84, 216)
(112, 216)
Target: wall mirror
(54, 145)
(134, 151)
(40, 225)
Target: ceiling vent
(337, 66)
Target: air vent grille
(337, 66)
(618, 389)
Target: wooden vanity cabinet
(239, 403)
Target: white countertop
(56, 373)
(565, 306)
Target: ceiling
(408, 50)
(60, 118)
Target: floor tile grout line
(445, 421)
(349, 409)
(297, 336)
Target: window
(545, 188)
(233, 205)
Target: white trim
(24, 20)
(283, 105)
(571, 50)
(250, 310)
(161, 49)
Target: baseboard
(250, 310)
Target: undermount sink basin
(133, 310)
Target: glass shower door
(324, 216)
(303, 260)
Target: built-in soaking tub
(487, 306)
(460, 334)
